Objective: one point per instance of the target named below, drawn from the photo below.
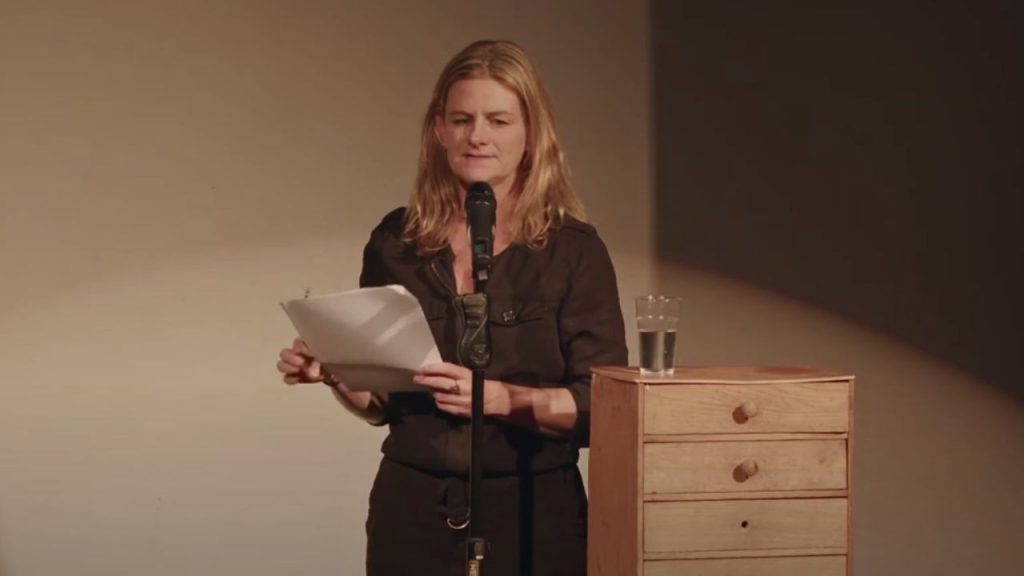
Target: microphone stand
(477, 359)
(476, 354)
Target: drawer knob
(745, 412)
(746, 470)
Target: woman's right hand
(297, 365)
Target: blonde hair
(543, 198)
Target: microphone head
(480, 193)
(481, 207)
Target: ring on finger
(454, 389)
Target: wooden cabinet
(720, 472)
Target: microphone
(480, 215)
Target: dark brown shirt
(554, 313)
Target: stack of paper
(370, 339)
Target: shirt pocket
(509, 313)
(524, 340)
(436, 313)
(434, 310)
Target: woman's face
(484, 133)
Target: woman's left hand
(452, 387)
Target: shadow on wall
(863, 161)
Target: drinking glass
(657, 321)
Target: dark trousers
(535, 524)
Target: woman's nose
(478, 132)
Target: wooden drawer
(739, 408)
(720, 471)
(798, 566)
(751, 525)
(725, 466)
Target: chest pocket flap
(507, 312)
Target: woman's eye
(501, 122)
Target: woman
(554, 313)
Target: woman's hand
(297, 364)
(452, 387)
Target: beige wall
(169, 171)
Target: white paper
(370, 339)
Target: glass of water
(657, 320)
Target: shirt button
(508, 316)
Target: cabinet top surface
(724, 375)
